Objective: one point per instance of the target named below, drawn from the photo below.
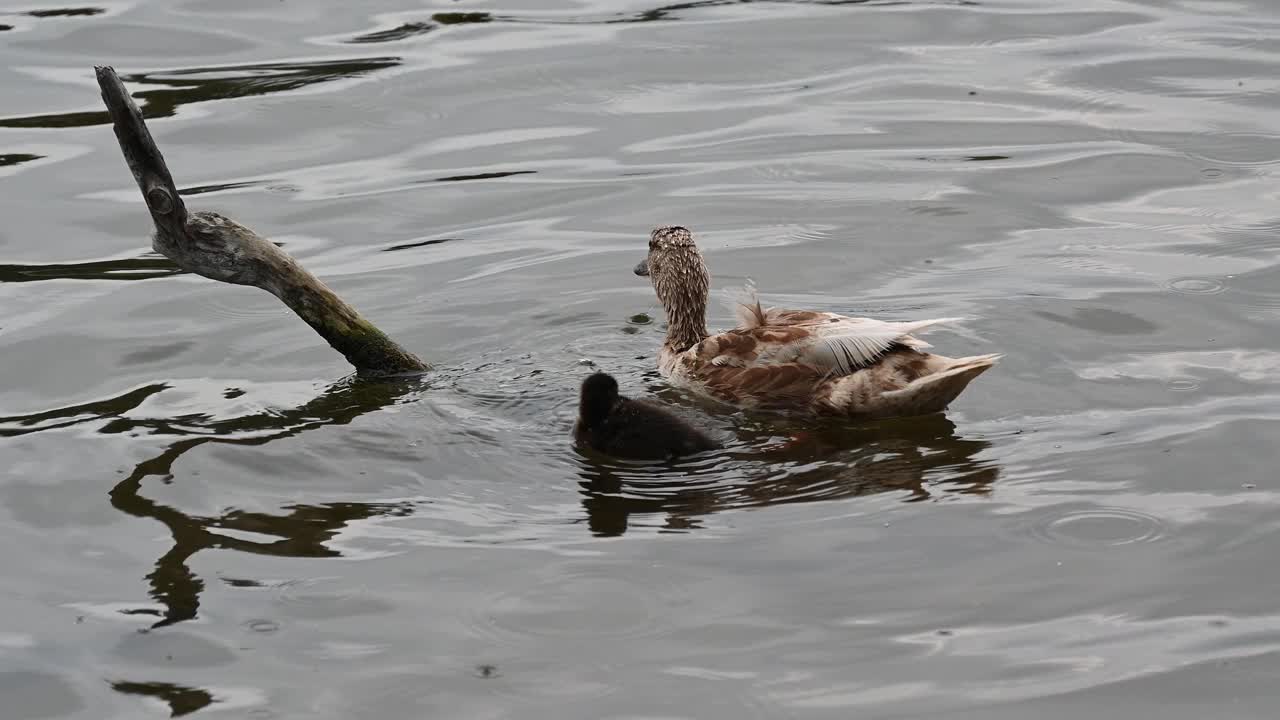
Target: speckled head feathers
(680, 279)
(671, 236)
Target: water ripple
(1071, 653)
(1099, 527)
(1090, 184)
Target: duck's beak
(643, 268)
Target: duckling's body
(796, 360)
(635, 429)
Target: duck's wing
(833, 343)
(842, 345)
(783, 386)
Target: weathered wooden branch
(221, 249)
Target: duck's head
(599, 394)
(222, 249)
(680, 279)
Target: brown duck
(795, 360)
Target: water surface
(204, 515)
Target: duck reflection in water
(921, 458)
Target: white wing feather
(843, 344)
(854, 343)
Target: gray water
(202, 515)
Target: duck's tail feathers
(934, 392)
(745, 304)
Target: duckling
(635, 429)
(819, 363)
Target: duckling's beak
(643, 268)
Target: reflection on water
(808, 465)
(481, 176)
(918, 458)
(661, 13)
(143, 268)
(206, 84)
(462, 18)
(418, 244)
(181, 700)
(400, 32)
(302, 531)
(202, 523)
(66, 12)
(58, 418)
(17, 158)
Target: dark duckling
(634, 429)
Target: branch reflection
(301, 531)
(768, 464)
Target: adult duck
(795, 360)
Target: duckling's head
(599, 395)
(680, 279)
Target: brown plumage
(795, 360)
(634, 429)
